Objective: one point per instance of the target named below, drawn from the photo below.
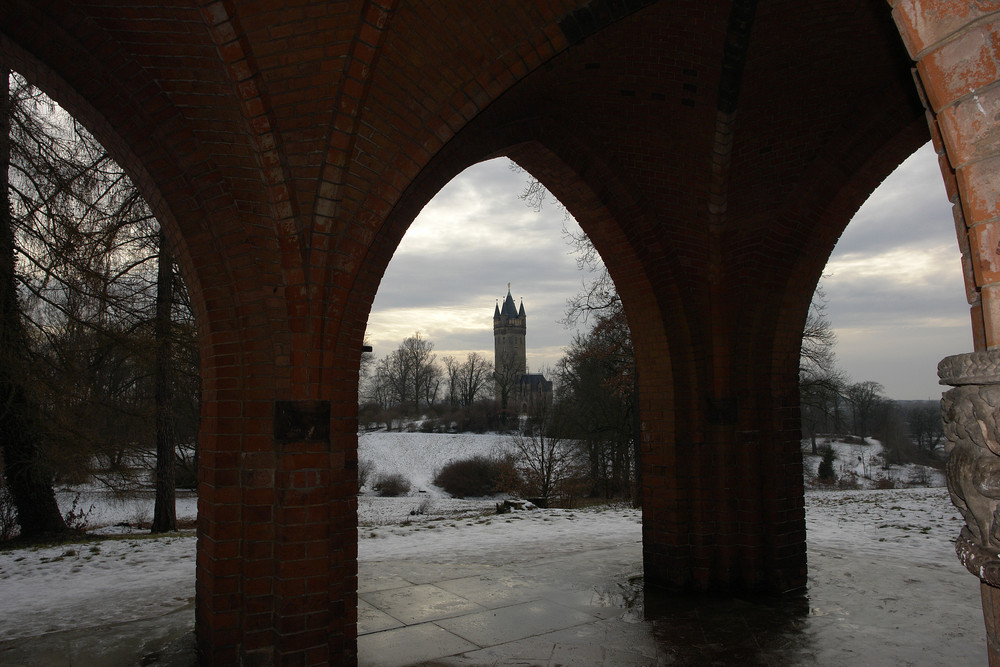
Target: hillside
(862, 465)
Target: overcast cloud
(893, 285)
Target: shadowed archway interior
(714, 152)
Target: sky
(893, 286)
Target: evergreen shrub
(825, 471)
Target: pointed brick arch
(713, 151)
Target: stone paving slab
(417, 604)
(409, 645)
(493, 589)
(375, 582)
(506, 624)
(371, 619)
(163, 640)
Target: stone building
(516, 388)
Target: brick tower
(509, 352)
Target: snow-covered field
(418, 456)
(103, 512)
(863, 466)
(127, 577)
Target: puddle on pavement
(828, 623)
(715, 630)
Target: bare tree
(599, 297)
(545, 461)
(452, 370)
(26, 472)
(865, 400)
(417, 354)
(821, 383)
(596, 396)
(474, 379)
(377, 387)
(112, 333)
(165, 505)
(926, 427)
(408, 376)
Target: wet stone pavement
(589, 608)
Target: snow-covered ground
(119, 578)
(863, 466)
(418, 456)
(104, 512)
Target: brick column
(277, 569)
(956, 46)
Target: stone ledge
(978, 368)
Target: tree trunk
(165, 508)
(27, 475)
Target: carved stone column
(971, 416)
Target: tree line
(831, 404)
(409, 384)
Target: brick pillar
(956, 46)
(277, 567)
(722, 480)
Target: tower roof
(509, 309)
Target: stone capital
(971, 417)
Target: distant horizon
(894, 289)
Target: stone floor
(589, 608)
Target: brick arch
(217, 309)
(218, 256)
(181, 186)
(593, 192)
(835, 185)
(598, 201)
(817, 188)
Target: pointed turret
(520, 313)
(509, 309)
(496, 311)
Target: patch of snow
(94, 583)
(418, 456)
(104, 512)
(863, 466)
